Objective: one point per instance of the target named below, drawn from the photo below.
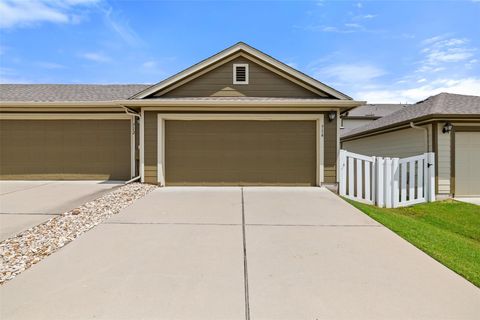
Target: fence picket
(420, 179)
(359, 178)
(350, 177)
(411, 180)
(403, 196)
(367, 181)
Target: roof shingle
(440, 104)
(68, 92)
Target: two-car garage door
(65, 149)
(240, 152)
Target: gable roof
(443, 104)
(68, 92)
(374, 111)
(240, 47)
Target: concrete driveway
(228, 253)
(24, 204)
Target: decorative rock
(30, 246)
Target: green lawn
(449, 231)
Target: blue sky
(376, 51)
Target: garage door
(65, 149)
(467, 158)
(240, 152)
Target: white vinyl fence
(387, 182)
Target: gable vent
(240, 74)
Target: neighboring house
(239, 117)
(365, 114)
(447, 124)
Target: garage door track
(239, 253)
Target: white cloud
(469, 86)
(350, 73)
(441, 50)
(95, 56)
(21, 13)
(121, 27)
(49, 65)
(150, 64)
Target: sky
(378, 51)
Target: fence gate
(387, 182)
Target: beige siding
(349, 124)
(219, 83)
(402, 143)
(467, 155)
(150, 151)
(443, 161)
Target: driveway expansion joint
(245, 266)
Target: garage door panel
(467, 155)
(240, 152)
(65, 149)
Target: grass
(448, 231)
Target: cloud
(350, 73)
(121, 27)
(24, 13)
(49, 65)
(95, 56)
(442, 50)
(468, 86)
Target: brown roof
(443, 104)
(68, 92)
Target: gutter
(413, 126)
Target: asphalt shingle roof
(375, 110)
(440, 104)
(68, 92)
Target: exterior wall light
(447, 127)
(332, 115)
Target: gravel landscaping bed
(31, 246)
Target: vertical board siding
(330, 150)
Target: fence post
(388, 183)
(380, 181)
(343, 172)
(430, 157)
(396, 184)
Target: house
(446, 124)
(365, 114)
(239, 117)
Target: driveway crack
(245, 266)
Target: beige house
(447, 124)
(365, 114)
(239, 117)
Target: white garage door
(467, 161)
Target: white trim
(142, 144)
(63, 116)
(239, 102)
(229, 51)
(162, 117)
(245, 65)
(338, 144)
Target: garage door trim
(162, 117)
(81, 116)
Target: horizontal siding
(219, 82)
(330, 150)
(444, 163)
(150, 150)
(401, 143)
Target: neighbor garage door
(240, 152)
(65, 149)
(467, 158)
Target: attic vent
(240, 74)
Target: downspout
(426, 133)
(133, 114)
